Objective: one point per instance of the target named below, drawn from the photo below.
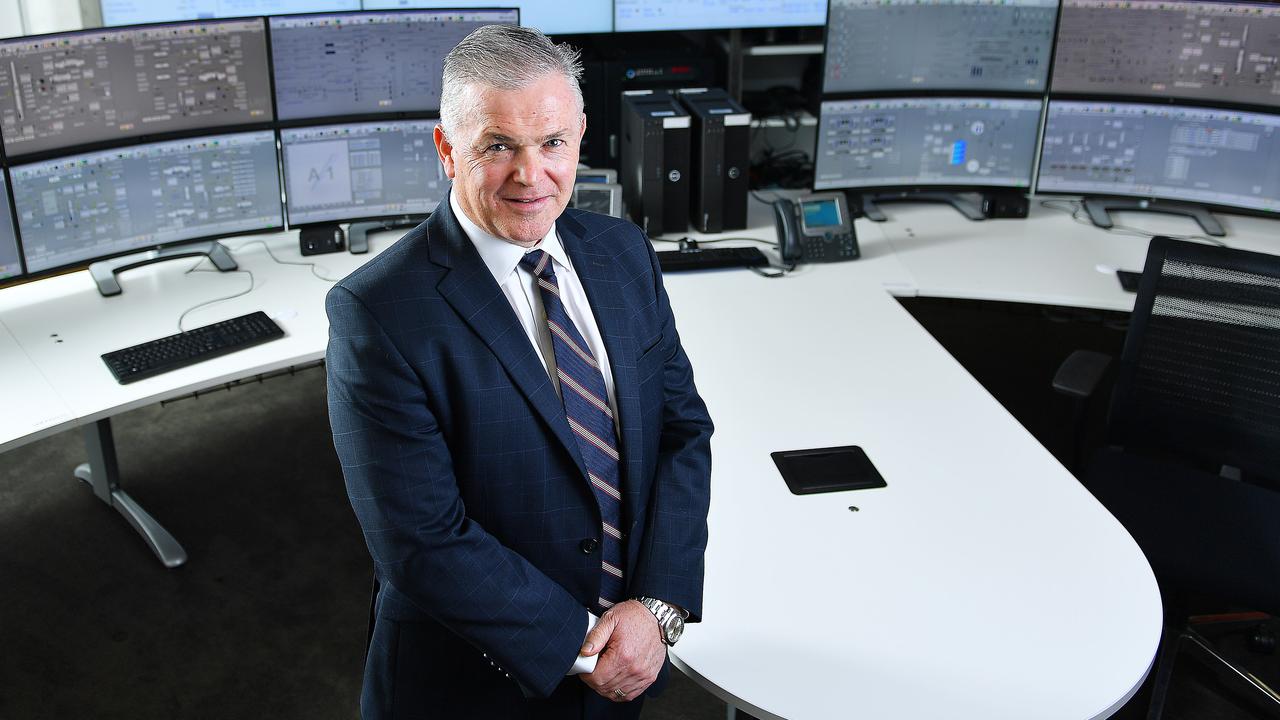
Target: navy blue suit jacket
(468, 483)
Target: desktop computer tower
(655, 161)
(628, 64)
(721, 139)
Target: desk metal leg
(103, 475)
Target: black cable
(278, 261)
(784, 271)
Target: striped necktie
(586, 406)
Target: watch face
(674, 629)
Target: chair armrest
(1078, 376)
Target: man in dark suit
(518, 426)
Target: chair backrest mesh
(1200, 372)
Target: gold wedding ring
(617, 692)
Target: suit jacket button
(589, 545)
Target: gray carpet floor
(267, 619)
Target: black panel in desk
(821, 470)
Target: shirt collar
(500, 256)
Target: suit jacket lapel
(596, 266)
(470, 289)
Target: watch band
(670, 619)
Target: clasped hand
(631, 652)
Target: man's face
(514, 160)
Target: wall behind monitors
(549, 16)
(9, 264)
(336, 173)
(980, 45)
(949, 142)
(84, 207)
(65, 90)
(366, 63)
(630, 15)
(1220, 157)
(135, 12)
(1211, 51)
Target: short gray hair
(505, 57)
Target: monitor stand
(1099, 210)
(967, 207)
(104, 271)
(358, 233)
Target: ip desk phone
(815, 228)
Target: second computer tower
(655, 161)
(721, 153)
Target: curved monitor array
(125, 139)
(1111, 124)
(550, 16)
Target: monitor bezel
(106, 25)
(706, 28)
(82, 264)
(22, 275)
(1161, 98)
(943, 185)
(350, 118)
(151, 137)
(940, 92)
(345, 220)
(559, 33)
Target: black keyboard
(188, 348)
(711, 258)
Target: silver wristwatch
(670, 619)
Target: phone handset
(784, 213)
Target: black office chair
(1193, 436)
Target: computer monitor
(913, 142)
(338, 173)
(553, 17)
(639, 15)
(945, 45)
(1208, 51)
(84, 207)
(367, 63)
(10, 264)
(1218, 157)
(94, 86)
(136, 12)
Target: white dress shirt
(520, 288)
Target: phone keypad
(830, 247)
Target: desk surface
(983, 581)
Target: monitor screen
(84, 207)
(135, 12)
(1220, 157)
(631, 15)
(905, 45)
(549, 16)
(366, 63)
(60, 91)
(345, 172)
(926, 141)
(9, 265)
(1211, 51)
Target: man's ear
(445, 150)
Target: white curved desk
(982, 582)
